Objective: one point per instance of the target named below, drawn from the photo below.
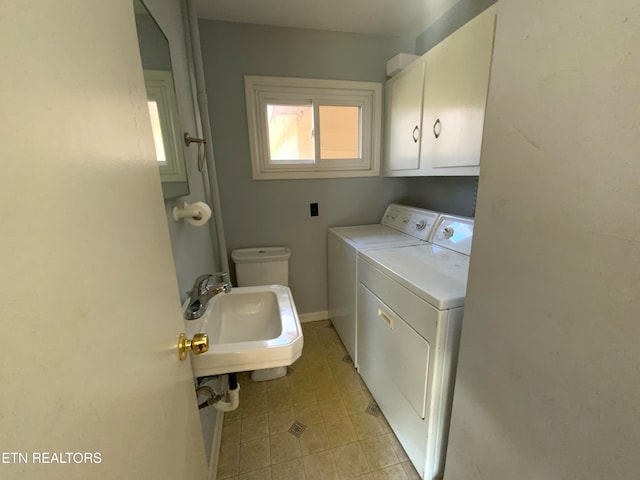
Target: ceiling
(383, 17)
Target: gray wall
(454, 18)
(454, 195)
(193, 250)
(272, 213)
(154, 47)
(548, 379)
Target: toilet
(263, 266)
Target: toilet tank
(262, 266)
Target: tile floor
(317, 423)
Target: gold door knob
(198, 344)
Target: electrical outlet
(313, 208)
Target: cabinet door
(455, 95)
(403, 114)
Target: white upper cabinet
(447, 129)
(403, 96)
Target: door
(403, 114)
(456, 80)
(90, 381)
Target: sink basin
(249, 328)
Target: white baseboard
(215, 446)
(314, 316)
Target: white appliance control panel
(454, 233)
(416, 222)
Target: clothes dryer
(400, 226)
(410, 306)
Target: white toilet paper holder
(195, 213)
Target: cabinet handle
(415, 137)
(382, 314)
(436, 128)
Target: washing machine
(400, 226)
(410, 307)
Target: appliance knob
(448, 232)
(406, 220)
(421, 225)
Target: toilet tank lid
(260, 254)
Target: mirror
(162, 101)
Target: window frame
(160, 89)
(263, 90)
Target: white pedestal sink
(249, 328)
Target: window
(163, 112)
(156, 128)
(305, 128)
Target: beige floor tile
(229, 461)
(249, 388)
(332, 408)
(282, 383)
(327, 336)
(410, 471)
(301, 382)
(395, 472)
(379, 452)
(336, 352)
(320, 466)
(308, 414)
(326, 323)
(234, 415)
(349, 381)
(262, 474)
(326, 387)
(366, 425)
(319, 369)
(350, 460)
(254, 427)
(300, 362)
(397, 448)
(314, 439)
(292, 470)
(230, 432)
(253, 404)
(304, 394)
(341, 368)
(284, 447)
(384, 424)
(279, 399)
(326, 394)
(340, 431)
(296, 367)
(249, 385)
(356, 401)
(254, 455)
(281, 420)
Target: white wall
(548, 384)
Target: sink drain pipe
(215, 399)
(234, 396)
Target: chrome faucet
(202, 292)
